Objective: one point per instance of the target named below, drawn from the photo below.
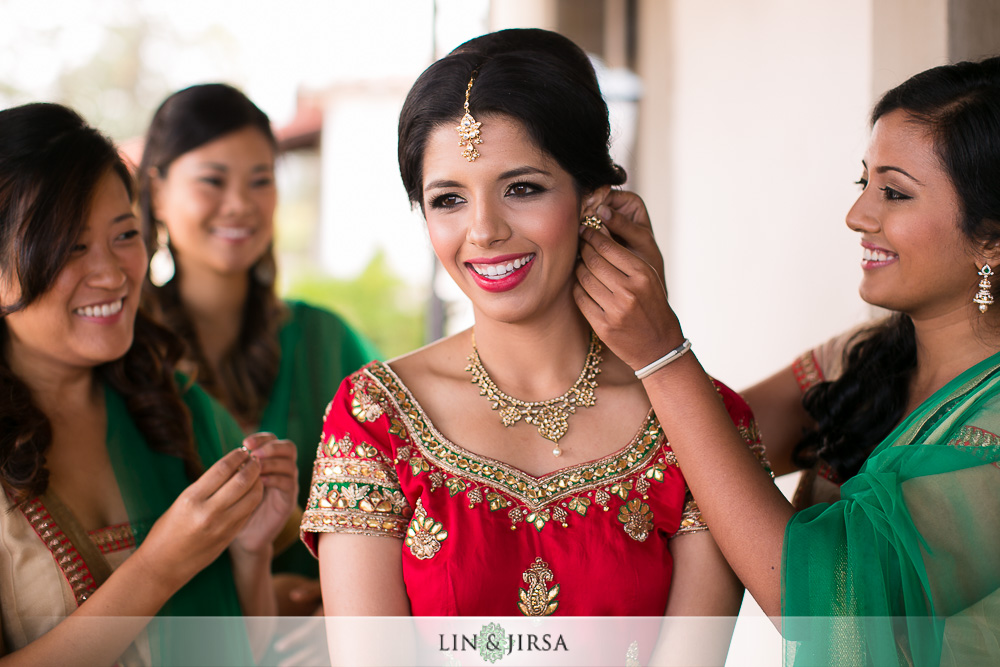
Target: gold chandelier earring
(984, 297)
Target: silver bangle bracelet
(669, 357)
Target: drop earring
(264, 270)
(984, 297)
(161, 264)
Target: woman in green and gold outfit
(904, 566)
(107, 509)
(207, 200)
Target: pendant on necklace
(550, 417)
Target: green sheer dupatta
(149, 484)
(318, 350)
(906, 567)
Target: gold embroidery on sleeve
(538, 599)
(424, 535)
(691, 517)
(355, 489)
(973, 436)
(807, 371)
(750, 433)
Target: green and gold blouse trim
(524, 498)
(355, 489)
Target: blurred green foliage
(377, 303)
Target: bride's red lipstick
(506, 282)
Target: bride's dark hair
(959, 105)
(537, 77)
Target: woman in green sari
(905, 568)
(108, 509)
(207, 197)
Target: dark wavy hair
(51, 162)
(959, 105)
(537, 77)
(186, 120)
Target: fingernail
(604, 212)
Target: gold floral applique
(364, 407)
(424, 535)
(637, 518)
(538, 599)
(333, 447)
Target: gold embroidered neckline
(552, 486)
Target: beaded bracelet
(669, 357)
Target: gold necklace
(551, 417)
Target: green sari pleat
(318, 350)
(149, 484)
(905, 568)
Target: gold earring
(592, 221)
(984, 297)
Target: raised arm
(626, 304)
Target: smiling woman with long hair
(468, 477)
(207, 197)
(902, 566)
(107, 507)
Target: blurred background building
(741, 122)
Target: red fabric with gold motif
(483, 538)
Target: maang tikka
(984, 297)
(468, 128)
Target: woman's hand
(625, 217)
(203, 521)
(624, 300)
(279, 476)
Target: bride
(449, 481)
